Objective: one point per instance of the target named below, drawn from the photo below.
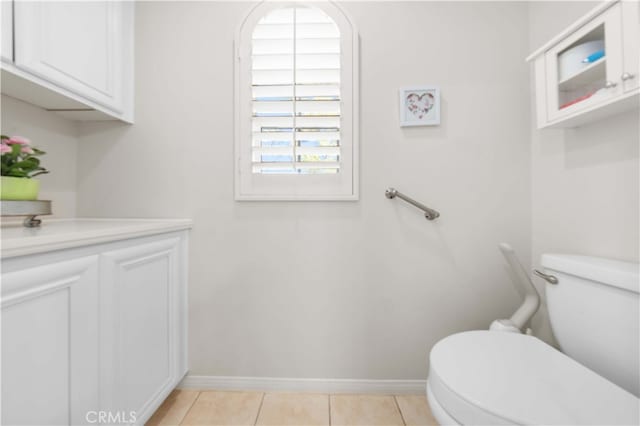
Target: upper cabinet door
(7, 30)
(76, 45)
(631, 34)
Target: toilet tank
(595, 314)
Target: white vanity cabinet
(589, 71)
(73, 57)
(94, 334)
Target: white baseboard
(274, 384)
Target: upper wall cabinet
(589, 71)
(75, 58)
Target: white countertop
(58, 234)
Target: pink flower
(26, 150)
(4, 148)
(18, 140)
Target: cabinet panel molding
(23, 285)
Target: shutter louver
(295, 72)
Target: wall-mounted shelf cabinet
(74, 58)
(590, 70)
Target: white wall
(585, 181)
(332, 289)
(58, 137)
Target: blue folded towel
(593, 57)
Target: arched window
(296, 103)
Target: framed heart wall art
(419, 106)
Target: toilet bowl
(497, 377)
(494, 378)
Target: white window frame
(298, 187)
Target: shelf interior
(593, 72)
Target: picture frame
(419, 106)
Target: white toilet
(494, 377)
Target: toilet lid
(509, 378)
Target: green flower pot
(15, 188)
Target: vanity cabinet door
(50, 343)
(6, 11)
(77, 45)
(141, 328)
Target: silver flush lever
(548, 278)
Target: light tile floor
(206, 408)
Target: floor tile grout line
(395, 399)
(259, 408)
(190, 407)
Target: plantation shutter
(295, 93)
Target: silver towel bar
(430, 214)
